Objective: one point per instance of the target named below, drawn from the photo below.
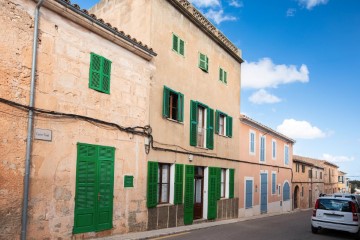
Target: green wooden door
(189, 195)
(212, 193)
(94, 188)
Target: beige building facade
(194, 107)
(90, 115)
(265, 170)
(308, 181)
(331, 177)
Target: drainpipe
(30, 124)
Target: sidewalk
(187, 228)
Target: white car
(337, 213)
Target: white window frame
(260, 137)
(273, 149)
(227, 183)
(288, 155)
(252, 152)
(224, 117)
(253, 192)
(273, 172)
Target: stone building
(342, 182)
(193, 170)
(331, 177)
(308, 181)
(90, 114)
(265, 169)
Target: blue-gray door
(263, 193)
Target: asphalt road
(293, 226)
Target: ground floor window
(163, 182)
(223, 183)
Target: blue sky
(301, 74)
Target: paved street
(294, 226)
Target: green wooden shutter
(106, 188)
(225, 76)
(231, 183)
(210, 129)
(179, 180)
(180, 113)
(229, 126)
(95, 72)
(221, 74)
(175, 45)
(166, 94)
(217, 119)
(182, 47)
(152, 178)
(86, 189)
(105, 77)
(218, 183)
(189, 195)
(212, 193)
(193, 122)
(203, 62)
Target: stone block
(163, 217)
(180, 215)
(172, 216)
(152, 218)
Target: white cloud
(299, 129)
(218, 16)
(290, 12)
(262, 96)
(236, 3)
(265, 74)
(309, 4)
(205, 3)
(337, 159)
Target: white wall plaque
(43, 134)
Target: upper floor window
(310, 173)
(223, 124)
(203, 62)
(252, 142)
(100, 69)
(320, 175)
(262, 148)
(201, 125)
(273, 143)
(222, 75)
(297, 167)
(303, 168)
(173, 105)
(178, 45)
(286, 155)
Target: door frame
(264, 172)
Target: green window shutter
(175, 43)
(203, 62)
(180, 112)
(225, 76)
(229, 126)
(221, 74)
(179, 180)
(152, 178)
(231, 183)
(217, 119)
(212, 193)
(193, 122)
(189, 195)
(86, 189)
(95, 72)
(106, 188)
(210, 129)
(182, 47)
(218, 183)
(166, 94)
(207, 64)
(106, 70)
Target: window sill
(164, 205)
(175, 121)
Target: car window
(334, 205)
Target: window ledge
(175, 121)
(164, 205)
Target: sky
(301, 70)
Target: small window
(173, 105)
(274, 149)
(297, 167)
(273, 183)
(262, 148)
(286, 155)
(310, 173)
(302, 191)
(320, 175)
(248, 194)
(163, 183)
(252, 142)
(178, 45)
(100, 69)
(203, 62)
(223, 75)
(303, 168)
(223, 125)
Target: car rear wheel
(314, 229)
(357, 235)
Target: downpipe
(30, 124)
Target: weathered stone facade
(65, 42)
